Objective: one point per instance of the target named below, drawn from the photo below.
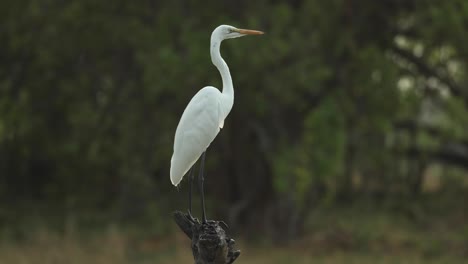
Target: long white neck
(228, 89)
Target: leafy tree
(337, 97)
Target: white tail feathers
(179, 169)
(176, 174)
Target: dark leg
(190, 190)
(200, 183)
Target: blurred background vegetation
(347, 142)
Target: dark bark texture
(210, 244)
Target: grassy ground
(357, 234)
(113, 248)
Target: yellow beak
(249, 31)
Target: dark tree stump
(210, 244)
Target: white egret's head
(227, 32)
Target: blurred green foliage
(338, 97)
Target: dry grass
(113, 247)
(338, 236)
(45, 247)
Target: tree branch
(210, 244)
(452, 154)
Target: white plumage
(204, 115)
(199, 125)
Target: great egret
(204, 116)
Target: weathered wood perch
(210, 244)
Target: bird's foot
(191, 218)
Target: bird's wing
(221, 116)
(198, 126)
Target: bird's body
(200, 123)
(204, 115)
